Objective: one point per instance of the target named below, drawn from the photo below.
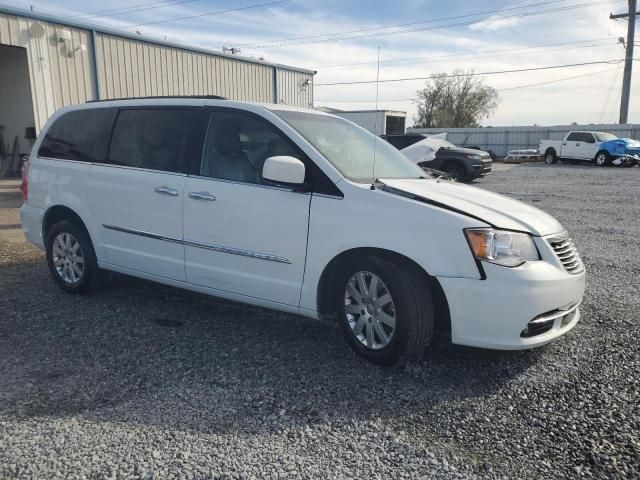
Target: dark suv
(463, 164)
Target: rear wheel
(71, 258)
(385, 310)
(602, 159)
(550, 157)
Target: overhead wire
(410, 59)
(279, 44)
(617, 68)
(508, 53)
(473, 74)
(132, 9)
(217, 12)
(384, 27)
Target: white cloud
(495, 23)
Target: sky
(414, 38)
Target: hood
(419, 152)
(492, 208)
(621, 146)
(464, 151)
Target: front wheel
(385, 310)
(602, 159)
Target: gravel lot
(146, 381)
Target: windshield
(604, 137)
(350, 148)
(438, 143)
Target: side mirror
(284, 170)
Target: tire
(550, 157)
(72, 260)
(602, 159)
(455, 170)
(409, 304)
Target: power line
(218, 12)
(441, 58)
(558, 80)
(410, 59)
(611, 87)
(275, 44)
(401, 24)
(499, 90)
(131, 9)
(473, 74)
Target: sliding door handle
(164, 190)
(202, 196)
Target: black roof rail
(204, 97)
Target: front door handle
(202, 196)
(164, 190)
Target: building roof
(19, 12)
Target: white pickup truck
(578, 145)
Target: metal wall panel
(502, 139)
(293, 88)
(63, 72)
(60, 72)
(132, 68)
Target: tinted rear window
(79, 135)
(156, 139)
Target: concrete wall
(15, 97)
(502, 139)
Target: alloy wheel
(68, 258)
(369, 309)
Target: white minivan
(299, 211)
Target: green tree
(455, 100)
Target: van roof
(190, 100)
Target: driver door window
(237, 146)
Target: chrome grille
(566, 252)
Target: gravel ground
(145, 381)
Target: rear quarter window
(81, 135)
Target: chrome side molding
(142, 233)
(207, 246)
(236, 251)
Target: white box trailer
(379, 122)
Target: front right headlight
(502, 247)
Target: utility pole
(628, 61)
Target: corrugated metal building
(47, 63)
(502, 139)
(379, 122)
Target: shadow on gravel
(208, 365)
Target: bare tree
(457, 100)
